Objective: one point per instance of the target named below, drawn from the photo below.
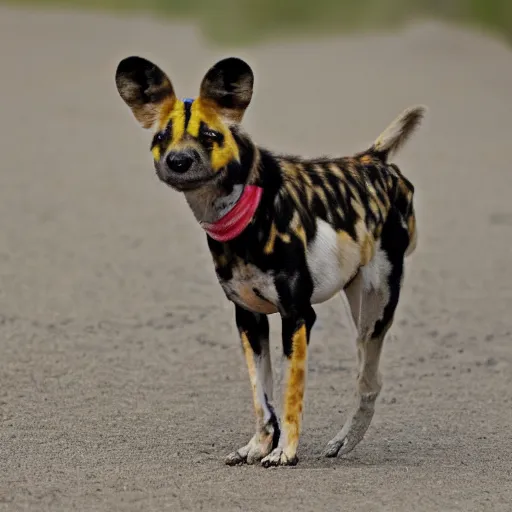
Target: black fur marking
(188, 112)
(231, 71)
(207, 137)
(255, 327)
(229, 83)
(291, 324)
(394, 242)
(152, 85)
(163, 138)
(275, 424)
(206, 134)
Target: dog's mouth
(190, 184)
(191, 180)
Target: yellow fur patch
(165, 111)
(249, 359)
(155, 150)
(294, 395)
(273, 235)
(178, 123)
(349, 251)
(298, 228)
(367, 250)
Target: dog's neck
(211, 202)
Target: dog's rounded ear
(145, 88)
(228, 85)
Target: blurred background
(122, 382)
(242, 21)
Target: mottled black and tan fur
(323, 226)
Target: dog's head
(193, 140)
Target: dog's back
(352, 199)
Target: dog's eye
(209, 134)
(212, 135)
(162, 136)
(158, 138)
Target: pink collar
(238, 218)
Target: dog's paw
(337, 447)
(278, 457)
(257, 448)
(350, 435)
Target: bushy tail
(397, 133)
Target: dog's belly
(252, 289)
(333, 259)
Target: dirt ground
(122, 383)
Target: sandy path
(122, 385)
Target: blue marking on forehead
(188, 100)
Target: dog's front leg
(296, 329)
(254, 334)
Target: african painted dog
(284, 233)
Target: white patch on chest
(252, 289)
(332, 261)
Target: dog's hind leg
(254, 334)
(373, 298)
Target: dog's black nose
(179, 162)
